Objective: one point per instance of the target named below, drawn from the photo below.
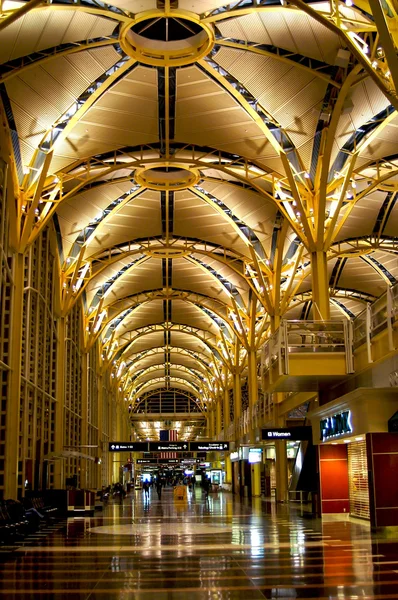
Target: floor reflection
(223, 548)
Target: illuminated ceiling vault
(209, 168)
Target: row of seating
(38, 503)
(19, 519)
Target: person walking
(145, 487)
(206, 487)
(159, 487)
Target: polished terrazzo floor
(223, 548)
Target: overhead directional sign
(128, 446)
(209, 446)
(158, 461)
(168, 446)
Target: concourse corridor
(220, 548)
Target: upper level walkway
(222, 548)
(306, 355)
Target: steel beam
(14, 389)
(320, 286)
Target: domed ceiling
(196, 158)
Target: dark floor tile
(234, 551)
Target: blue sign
(336, 425)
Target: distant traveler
(145, 487)
(159, 488)
(206, 487)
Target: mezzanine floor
(224, 548)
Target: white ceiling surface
(46, 28)
(289, 29)
(207, 115)
(40, 95)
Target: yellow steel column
(252, 377)
(281, 467)
(252, 354)
(280, 445)
(109, 409)
(208, 426)
(59, 409)
(226, 407)
(100, 408)
(275, 320)
(84, 422)
(256, 479)
(387, 35)
(237, 398)
(212, 423)
(228, 470)
(116, 427)
(281, 471)
(218, 416)
(252, 387)
(320, 286)
(14, 388)
(237, 388)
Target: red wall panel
(333, 468)
(382, 450)
(384, 442)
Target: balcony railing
(314, 337)
(377, 317)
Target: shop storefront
(246, 464)
(354, 447)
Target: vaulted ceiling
(193, 156)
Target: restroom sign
(336, 425)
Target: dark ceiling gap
(163, 214)
(162, 108)
(337, 271)
(305, 312)
(171, 213)
(164, 273)
(167, 29)
(162, 105)
(384, 213)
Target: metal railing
(377, 317)
(306, 337)
(314, 337)
(332, 336)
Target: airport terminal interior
(198, 299)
